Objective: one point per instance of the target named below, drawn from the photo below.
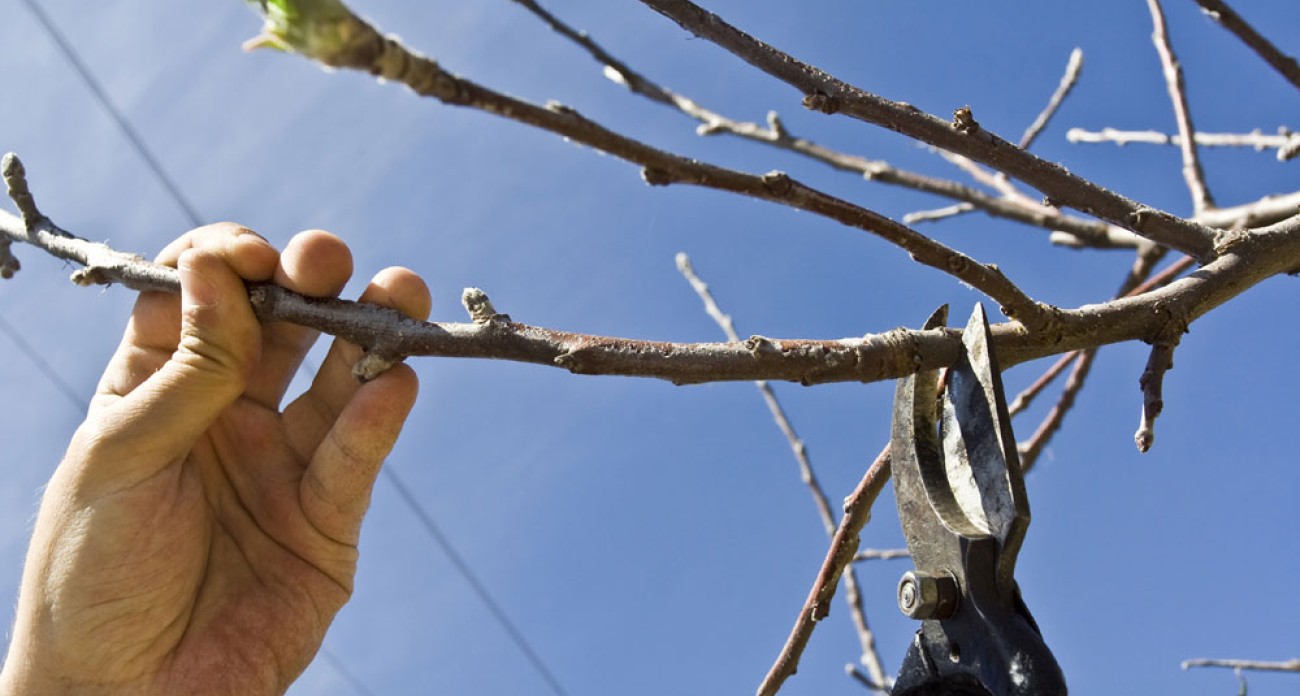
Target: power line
(101, 95)
(137, 141)
(79, 403)
(498, 612)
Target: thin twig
(857, 510)
(1228, 18)
(1152, 384)
(1073, 68)
(1285, 141)
(1193, 174)
(881, 554)
(1027, 396)
(1033, 447)
(856, 675)
(1164, 277)
(870, 656)
(822, 92)
(1292, 665)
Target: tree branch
(1286, 142)
(1082, 232)
(880, 554)
(825, 93)
(1229, 19)
(1173, 71)
(1152, 383)
(1292, 665)
(1073, 68)
(360, 46)
(857, 511)
(853, 595)
(1033, 447)
(1245, 260)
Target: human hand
(195, 539)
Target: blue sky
(646, 538)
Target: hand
(195, 539)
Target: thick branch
(1230, 20)
(830, 95)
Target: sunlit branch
(1152, 383)
(1247, 259)
(1228, 18)
(824, 93)
(1292, 665)
(360, 46)
(1193, 174)
(1033, 447)
(775, 133)
(1286, 142)
(1073, 68)
(844, 545)
(853, 595)
(880, 554)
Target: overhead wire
(188, 209)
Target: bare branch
(1265, 211)
(870, 656)
(881, 554)
(362, 47)
(1027, 396)
(1173, 70)
(854, 673)
(1230, 20)
(1245, 260)
(1292, 665)
(1135, 283)
(857, 510)
(1033, 447)
(102, 264)
(1286, 142)
(937, 214)
(1073, 68)
(1152, 383)
(822, 92)
(1080, 232)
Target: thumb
(219, 346)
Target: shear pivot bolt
(925, 596)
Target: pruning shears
(962, 504)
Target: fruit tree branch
(823, 92)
